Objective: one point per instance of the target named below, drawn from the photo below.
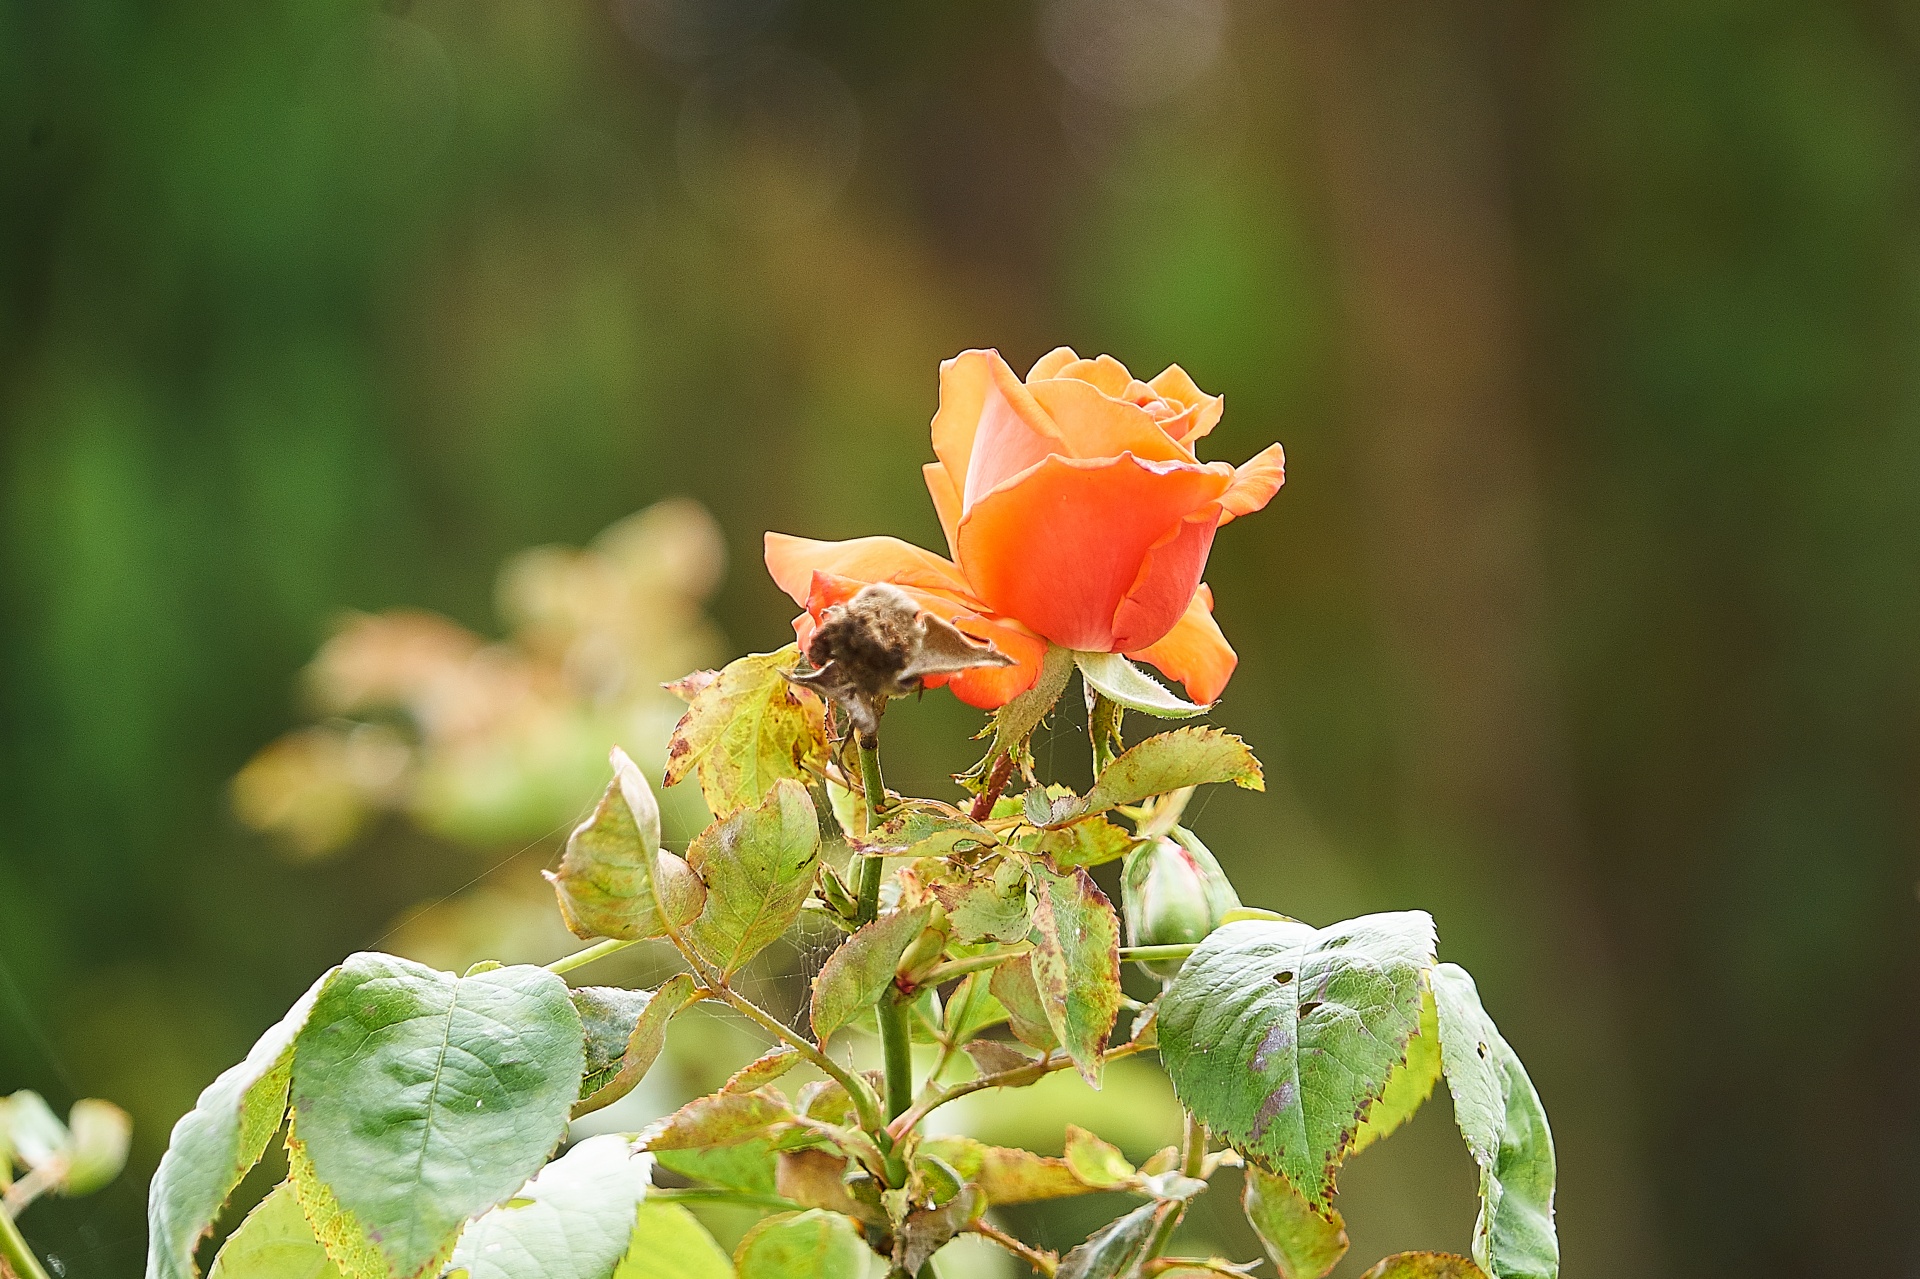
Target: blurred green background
(1589, 617)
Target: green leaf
(815, 1244)
(608, 1015)
(746, 729)
(1167, 762)
(572, 1221)
(1113, 1251)
(606, 878)
(763, 1070)
(861, 970)
(1007, 1174)
(668, 1243)
(922, 828)
(720, 1119)
(1121, 681)
(985, 901)
(1076, 965)
(1082, 843)
(217, 1141)
(1013, 724)
(1424, 1265)
(758, 865)
(1304, 1243)
(1505, 1125)
(1280, 1036)
(603, 1011)
(747, 1166)
(274, 1242)
(420, 1099)
(1410, 1084)
(1096, 1162)
(1014, 987)
(973, 1007)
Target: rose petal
(988, 428)
(793, 561)
(1014, 434)
(1050, 364)
(1062, 545)
(1105, 372)
(1168, 577)
(946, 498)
(1194, 651)
(1255, 481)
(1200, 412)
(1092, 424)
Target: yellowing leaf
(861, 970)
(606, 878)
(1304, 1243)
(1170, 761)
(747, 728)
(1076, 965)
(1425, 1265)
(758, 865)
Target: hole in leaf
(1483, 1050)
(1307, 1008)
(1284, 976)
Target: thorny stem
(997, 780)
(581, 958)
(896, 1038)
(16, 1259)
(1044, 1262)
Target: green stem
(873, 865)
(940, 974)
(1145, 954)
(712, 1195)
(1015, 1078)
(1193, 1148)
(896, 1037)
(896, 1044)
(581, 958)
(15, 1256)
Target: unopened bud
(1174, 894)
(924, 951)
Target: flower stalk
(16, 1258)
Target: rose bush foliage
(422, 1111)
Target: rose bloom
(1076, 512)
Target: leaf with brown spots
(1425, 1265)
(745, 729)
(1281, 1037)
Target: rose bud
(1174, 894)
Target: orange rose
(1076, 512)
